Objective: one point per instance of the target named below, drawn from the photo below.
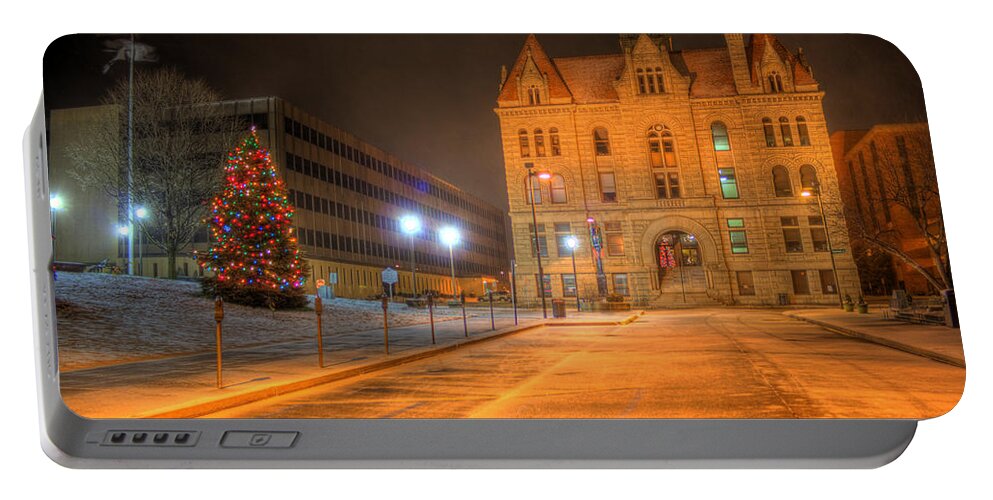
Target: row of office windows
(334, 176)
(799, 278)
(342, 211)
(618, 282)
(538, 138)
(319, 139)
(792, 239)
(389, 253)
(613, 239)
(785, 132)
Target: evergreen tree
(254, 255)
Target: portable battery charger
(664, 251)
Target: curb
(893, 344)
(224, 403)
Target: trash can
(558, 308)
(784, 299)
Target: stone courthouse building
(681, 173)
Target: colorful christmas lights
(254, 247)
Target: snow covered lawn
(106, 319)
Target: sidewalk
(185, 386)
(936, 342)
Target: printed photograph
(510, 226)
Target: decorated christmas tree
(254, 255)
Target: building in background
(686, 169)
(349, 198)
(886, 175)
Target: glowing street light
(411, 225)
(451, 237)
(123, 230)
(573, 243)
(534, 224)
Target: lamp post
(55, 204)
(573, 243)
(141, 213)
(815, 190)
(124, 231)
(450, 236)
(411, 225)
(537, 244)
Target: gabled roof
(711, 71)
(591, 78)
(759, 43)
(556, 85)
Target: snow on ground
(106, 319)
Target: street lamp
(55, 204)
(411, 225)
(815, 190)
(141, 213)
(534, 224)
(573, 243)
(450, 236)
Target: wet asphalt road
(702, 363)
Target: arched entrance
(679, 264)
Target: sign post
(386, 324)
(431, 314)
(390, 277)
(319, 308)
(218, 318)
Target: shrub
(254, 297)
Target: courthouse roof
(556, 86)
(591, 78)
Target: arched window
(781, 181)
(522, 138)
(779, 83)
(601, 141)
(719, 132)
(808, 178)
(801, 130)
(532, 189)
(642, 85)
(775, 82)
(534, 95)
(553, 134)
(784, 128)
(661, 148)
(658, 79)
(558, 189)
(770, 132)
(539, 142)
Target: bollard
(218, 318)
(431, 315)
(492, 321)
(465, 324)
(319, 308)
(386, 324)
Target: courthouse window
(808, 178)
(539, 142)
(562, 233)
(719, 132)
(801, 130)
(729, 183)
(614, 237)
(608, 187)
(781, 181)
(769, 131)
(667, 185)
(601, 142)
(621, 284)
(818, 234)
(553, 134)
(801, 283)
(522, 138)
(739, 242)
(540, 242)
(784, 128)
(791, 234)
(558, 189)
(569, 285)
(547, 282)
(828, 286)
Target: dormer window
(775, 82)
(534, 95)
(650, 80)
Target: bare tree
(908, 205)
(180, 136)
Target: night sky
(429, 98)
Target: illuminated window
(601, 142)
(719, 132)
(661, 148)
(801, 130)
(562, 233)
(569, 285)
(784, 128)
(729, 183)
(781, 181)
(769, 131)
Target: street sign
(333, 278)
(390, 276)
(838, 250)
